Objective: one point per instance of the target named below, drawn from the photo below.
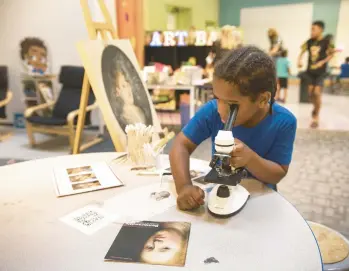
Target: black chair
(64, 110)
(5, 94)
(5, 98)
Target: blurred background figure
(275, 41)
(282, 72)
(345, 69)
(320, 51)
(230, 39)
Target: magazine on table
(149, 242)
(84, 178)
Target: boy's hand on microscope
(241, 155)
(190, 197)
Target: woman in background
(230, 39)
(275, 49)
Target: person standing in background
(275, 43)
(320, 51)
(230, 39)
(282, 72)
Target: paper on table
(74, 179)
(197, 177)
(88, 219)
(142, 203)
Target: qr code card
(88, 219)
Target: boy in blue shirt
(264, 131)
(282, 73)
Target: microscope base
(225, 201)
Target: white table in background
(268, 234)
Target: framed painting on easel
(122, 96)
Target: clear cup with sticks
(138, 135)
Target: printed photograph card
(85, 178)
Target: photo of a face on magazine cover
(158, 243)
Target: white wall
(292, 22)
(59, 23)
(342, 38)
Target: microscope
(227, 197)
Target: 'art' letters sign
(180, 38)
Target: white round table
(268, 234)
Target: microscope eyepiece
(234, 108)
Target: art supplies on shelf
(84, 178)
(149, 242)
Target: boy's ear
(264, 99)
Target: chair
(5, 97)
(65, 109)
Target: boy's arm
(196, 131)
(180, 160)
(265, 170)
(273, 166)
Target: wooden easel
(93, 28)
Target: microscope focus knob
(223, 191)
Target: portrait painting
(122, 96)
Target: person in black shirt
(320, 51)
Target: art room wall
(59, 23)
(342, 37)
(253, 21)
(156, 14)
(326, 10)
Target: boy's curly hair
(251, 70)
(28, 42)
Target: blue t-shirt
(282, 66)
(271, 139)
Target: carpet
(9, 161)
(317, 183)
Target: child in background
(345, 69)
(282, 72)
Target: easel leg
(85, 92)
(30, 134)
